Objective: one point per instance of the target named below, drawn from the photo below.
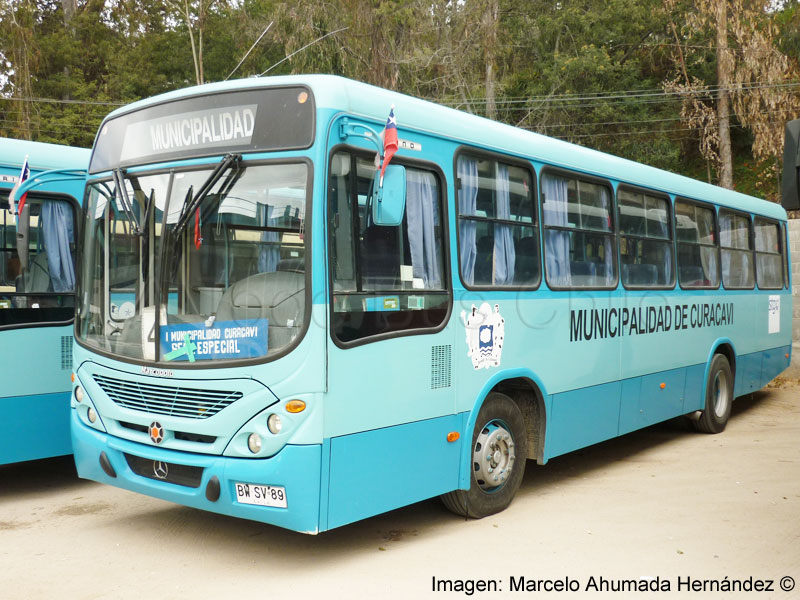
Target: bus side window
(769, 255)
(42, 284)
(578, 233)
(698, 253)
(737, 252)
(645, 241)
(497, 225)
(385, 279)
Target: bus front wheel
(719, 397)
(499, 450)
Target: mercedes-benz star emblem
(156, 432)
(160, 469)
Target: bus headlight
(79, 394)
(91, 414)
(274, 424)
(254, 443)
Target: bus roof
(357, 98)
(42, 156)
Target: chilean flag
(390, 144)
(23, 177)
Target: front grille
(134, 426)
(179, 435)
(184, 475)
(194, 437)
(166, 400)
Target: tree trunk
(70, 7)
(490, 48)
(724, 78)
(187, 14)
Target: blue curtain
(504, 254)
(269, 253)
(421, 211)
(58, 230)
(467, 205)
(556, 242)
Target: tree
(740, 38)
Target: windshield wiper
(125, 201)
(190, 206)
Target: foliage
(589, 71)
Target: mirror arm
(348, 129)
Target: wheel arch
(528, 392)
(725, 347)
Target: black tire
(498, 417)
(719, 397)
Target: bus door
(391, 394)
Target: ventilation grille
(66, 352)
(440, 366)
(164, 400)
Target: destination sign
(199, 129)
(262, 119)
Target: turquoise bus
(273, 328)
(37, 295)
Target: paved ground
(660, 506)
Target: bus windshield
(198, 264)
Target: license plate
(261, 495)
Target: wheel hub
(720, 394)
(493, 456)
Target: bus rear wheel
(499, 450)
(719, 397)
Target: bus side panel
(34, 427)
(649, 402)
(693, 390)
(380, 470)
(773, 362)
(583, 417)
(748, 373)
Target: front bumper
(297, 468)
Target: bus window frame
(787, 250)
(220, 363)
(781, 252)
(447, 280)
(547, 169)
(713, 208)
(670, 228)
(77, 216)
(514, 161)
(751, 239)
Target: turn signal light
(295, 406)
(663, 385)
(72, 377)
(453, 436)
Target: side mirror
(389, 200)
(23, 235)
(791, 166)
